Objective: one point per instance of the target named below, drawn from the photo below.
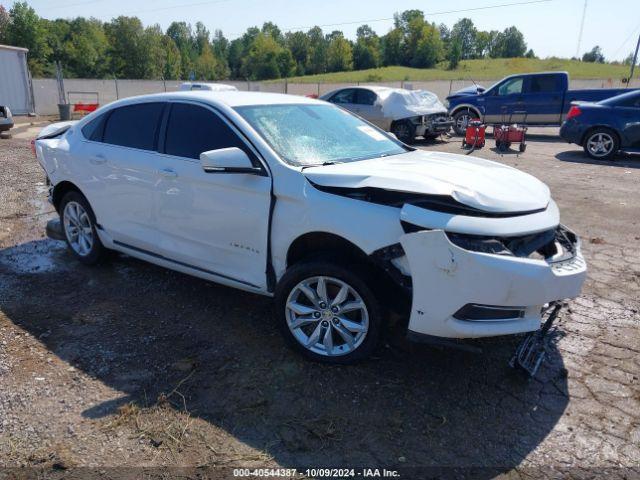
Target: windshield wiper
(323, 164)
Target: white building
(15, 80)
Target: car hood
(477, 183)
(471, 91)
(399, 104)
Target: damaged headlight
(479, 244)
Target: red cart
(510, 132)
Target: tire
(431, 137)
(460, 121)
(522, 147)
(363, 325)
(601, 144)
(76, 215)
(404, 131)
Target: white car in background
(297, 199)
(405, 113)
(6, 119)
(212, 87)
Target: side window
(543, 83)
(134, 126)
(192, 130)
(344, 96)
(366, 97)
(511, 86)
(95, 128)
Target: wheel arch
(593, 128)
(61, 189)
(471, 108)
(313, 244)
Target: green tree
(464, 33)
(173, 63)
(25, 29)
(339, 53)
(594, 56)
(266, 59)
(206, 67)
(455, 52)
(4, 24)
(180, 33)
(85, 49)
(482, 44)
(298, 45)
(318, 47)
(511, 43)
(430, 49)
(366, 52)
(392, 47)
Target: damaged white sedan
(297, 199)
(405, 113)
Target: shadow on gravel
(144, 330)
(578, 156)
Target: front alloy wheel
(327, 316)
(327, 310)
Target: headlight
(479, 244)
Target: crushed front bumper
(447, 278)
(433, 124)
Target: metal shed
(15, 80)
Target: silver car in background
(405, 113)
(6, 119)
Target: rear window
(134, 126)
(628, 99)
(94, 129)
(543, 83)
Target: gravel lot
(129, 364)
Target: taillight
(574, 111)
(33, 148)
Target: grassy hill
(476, 69)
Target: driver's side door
(503, 100)
(217, 222)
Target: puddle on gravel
(34, 257)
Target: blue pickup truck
(544, 97)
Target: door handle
(98, 160)
(168, 172)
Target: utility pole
(633, 63)
(584, 14)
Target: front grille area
(555, 246)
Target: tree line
(125, 48)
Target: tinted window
(134, 126)
(511, 86)
(366, 97)
(192, 130)
(94, 129)
(544, 83)
(344, 96)
(631, 102)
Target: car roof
(227, 98)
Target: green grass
(476, 69)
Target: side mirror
(227, 160)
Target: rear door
(542, 100)
(121, 155)
(369, 108)
(503, 100)
(214, 222)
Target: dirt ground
(131, 365)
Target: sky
(550, 27)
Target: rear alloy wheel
(328, 313)
(404, 131)
(601, 144)
(79, 229)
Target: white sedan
(297, 199)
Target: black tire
(459, 126)
(605, 133)
(405, 131)
(97, 252)
(523, 147)
(431, 137)
(354, 276)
